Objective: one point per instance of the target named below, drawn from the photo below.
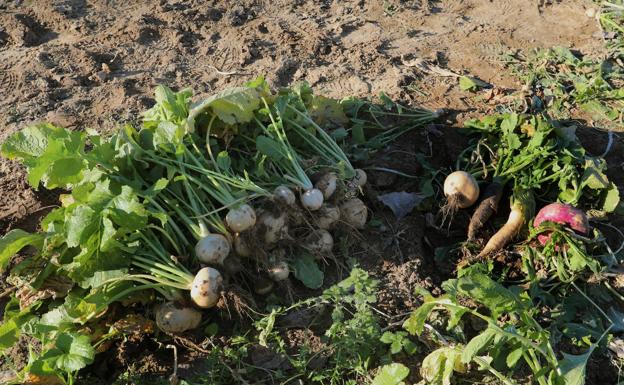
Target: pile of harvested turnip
(236, 191)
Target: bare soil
(86, 63)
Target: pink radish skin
(563, 214)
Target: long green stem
(278, 134)
(327, 144)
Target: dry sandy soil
(95, 64)
(87, 63)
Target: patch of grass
(563, 82)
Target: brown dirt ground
(86, 63)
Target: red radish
(563, 214)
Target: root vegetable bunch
(202, 199)
(537, 159)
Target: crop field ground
(404, 299)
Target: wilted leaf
(232, 106)
(439, 365)
(401, 203)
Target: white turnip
(284, 195)
(174, 318)
(319, 242)
(206, 287)
(232, 264)
(241, 246)
(328, 215)
(461, 190)
(212, 249)
(360, 178)
(275, 227)
(354, 212)
(241, 218)
(263, 286)
(312, 199)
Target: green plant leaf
(51, 154)
(514, 356)
(308, 272)
(9, 334)
(509, 123)
(573, 368)
(224, 161)
(170, 107)
(232, 106)
(14, 241)
(611, 198)
(593, 175)
(392, 374)
(80, 225)
(439, 365)
(488, 292)
(71, 352)
(469, 83)
(477, 344)
(100, 278)
(270, 148)
(416, 322)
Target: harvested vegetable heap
(233, 192)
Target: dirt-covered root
(450, 208)
(237, 303)
(505, 234)
(488, 207)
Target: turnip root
(485, 210)
(241, 218)
(328, 215)
(461, 191)
(212, 249)
(505, 234)
(319, 242)
(563, 214)
(241, 247)
(360, 177)
(354, 212)
(173, 318)
(284, 195)
(206, 287)
(327, 184)
(279, 271)
(275, 227)
(312, 199)
(522, 207)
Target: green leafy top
(543, 156)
